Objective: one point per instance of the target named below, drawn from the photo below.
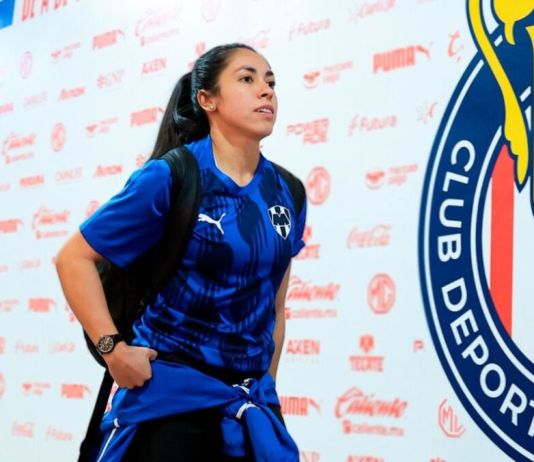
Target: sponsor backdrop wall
(409, 328)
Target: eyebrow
(268, 73)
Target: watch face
(105, 344)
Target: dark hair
(184, 120)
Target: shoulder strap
(295, 186)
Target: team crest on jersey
(476, 229)
(281, 220)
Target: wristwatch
(106, 343)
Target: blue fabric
(219, 306)
(176, 388)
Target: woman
(220, 320)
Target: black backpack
(128, 291)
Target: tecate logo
(377, 236)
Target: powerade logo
(7, 8)
(476, 230)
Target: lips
(265, 110)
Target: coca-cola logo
(377, 236)
(46, 217)
(299, 289)
(356, 402)
(318, 185)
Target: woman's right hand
(130, 365)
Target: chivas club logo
(281, 220)
(476, 228)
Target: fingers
(152, 354)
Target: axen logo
(28, 7)
(448, 421)
(299, 405)
(399, 58)
(154, 66)
(299, 289)
(313, 132)
(318, 185)
(300, 29)
(102, 171)
(10, 226)
(17, 148)
(71, 93)
(157, 25)
(107, 39)
(305, 347)
(377, 236)
(41, 305)
(145, 116)
(74, 390)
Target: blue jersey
(219, 307)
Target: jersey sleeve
(298, 242)
(133, 220)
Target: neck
(236, 155)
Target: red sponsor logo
(306, 347)
(7, 107)
(10, 226)
(145, 116)
(140, 159)
(41, 305)
(26, 65)
(36, 100)
(257, 41)
(71, 93)
(157, 25)
(377, 236)
(418, 345)
(393, 176)
(426, 111)
(59, 134)
(309, 456)
(101, 128)
(448, 421)
(211, 9)
(56, 434)
(309, 313)
(35, 388)
(305, 290)
(110, 80)
(329, 74)
(71, 174)
(301, 29)
(356, 403)
(2, 345)
(353, 458)
(46, 218)
(26, 348)
(381, 293)
(299, 405)
(28, 7)
(154, 66)
(31, 181)
(17, 148)
(2, 385)
(454, 50)
(92, 207)
(366, 9)
(108, 170)
(7, 305)
(25, 430)
(313, 132)
(74, 390)
(318, 185)
(107, 39)
(3, 269)
(437, 459)
(399, 58)
(361, 123)
(67, 52)
(5, 187)
(367, 362)
(310, 251)
(62, 347)
(29, 264)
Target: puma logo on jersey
(281, 220)
(208, 219)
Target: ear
(206, 101)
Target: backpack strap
(295, 186)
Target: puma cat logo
(208, 219)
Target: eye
(272, 83)
(247, 78)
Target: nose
(266, 90)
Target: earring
(212, 108)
